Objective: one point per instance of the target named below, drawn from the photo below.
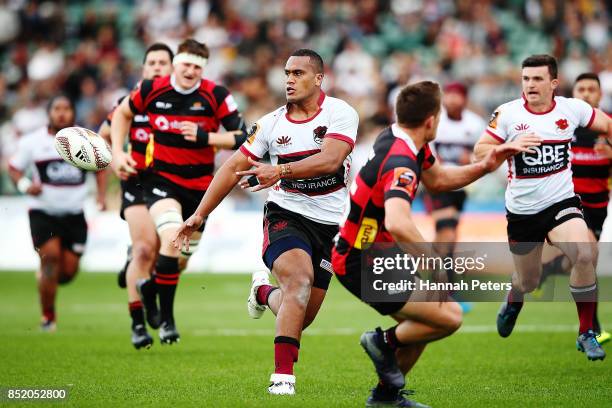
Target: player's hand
(34, 190)
(180, 240)
(521, 144)
(603, 148)
(189, 130)
(266, 174)
(123, 164)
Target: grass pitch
(225, 358)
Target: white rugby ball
(83, 148)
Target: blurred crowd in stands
(92, 50)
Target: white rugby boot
(282, 384)
(253, 307)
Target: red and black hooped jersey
(140, 132)
(590, 170)
(394, 170)
(186, 163)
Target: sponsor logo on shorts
(160, 193)
(325, 264)
(567, 211)
(367, 232)
(129, 197)
(279, 226)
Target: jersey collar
(399, 133)
(181, 90)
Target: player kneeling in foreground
(57, 191)
(381, 198)
(540, 199)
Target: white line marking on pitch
(348, 331)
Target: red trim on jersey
(141, 160)
(526, 106)
(590, 185)
(553, 141)
(600, 205)
(495, 136)
(184, 157)
(199, 184)
(302, 153)
(246, 152)
(592, 118)
(344, 138)
(319, 102)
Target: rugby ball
(83, 148)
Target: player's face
(187, 75)
(538, 85)
(157, 64)
(61, 114)
(454, 103)
(589, 91)
(302, 80)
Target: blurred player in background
(540, 199)
(458, 132)
(591, 163)
(309, 140)
(185, 112)
(380, 212)
(143, 251)
(57, 192)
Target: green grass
(225, 359)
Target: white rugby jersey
(320, 199)
(540, 179)
(63, 185)
(456, 138)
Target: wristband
(285, 170)
(23, 185)
(253, 181)
(202, 136)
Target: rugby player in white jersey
(57, 191)
(309, 141)
(458, 132)
(540, 199)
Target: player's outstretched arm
(327, 161)
(123, 164)
(222, 183)
(440, 178)
(101, 186)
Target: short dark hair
(542, 60)
(416, 102)
(158, 47)
(192, 46)
(60, 96)
(315, 58)
(588, 75)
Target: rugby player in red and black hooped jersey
(143, 250)
(185, 112)
(380, 211)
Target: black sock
(137, 313)
(390, 339)
(166, 279)
(383, 392)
